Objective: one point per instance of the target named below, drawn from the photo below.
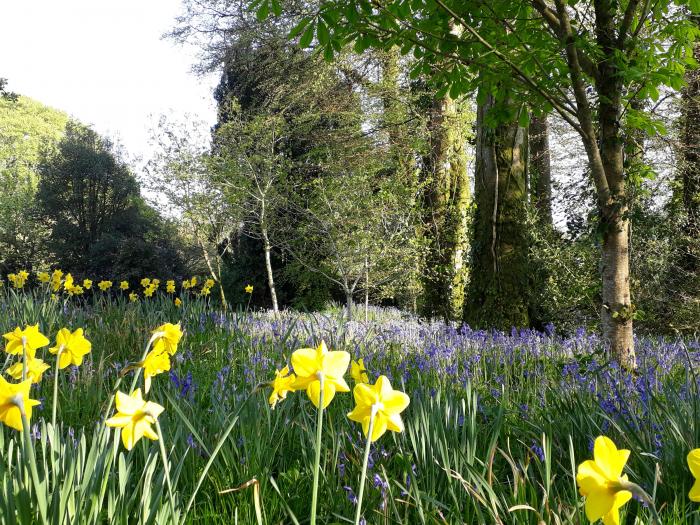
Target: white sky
(104, 63)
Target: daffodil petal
(589, 477)
(609, 458)
(598, 504)
(335, 364)
(379, 427)
(304, 362)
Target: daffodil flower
(104, 285)
(134, 417)
(311, 365)
(282, 384)
(10, 394)
(71, 347)
(166, 337)
(157, 361)
(600, 481)
(35, 369)
(358, 372)
(694, 466)
(30, 338)
(381, 402)
(249, 289)
(124, 285)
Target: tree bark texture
(498, 289)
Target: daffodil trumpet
(365, 461)
(317, 457)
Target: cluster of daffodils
(607, 489)
(134, 415)
(57, 282)
(70, 348)
(320, 373)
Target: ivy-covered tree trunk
(541, 169)
(689, 167)
(498, 289)
(446, 210)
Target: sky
(104, 63)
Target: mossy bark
(541, 170)
(446, 210)
(498, 288)
(689, 168)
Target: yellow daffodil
(145, 282)
(282, 384)
(35, 369)
(186, 284)
(133, 297)
(157, 361)
(104, 285)
(155, 282)
(694, 465)
(358, 371)
(75, 290)
(134, 417)
(170, 287)
(10, 393)
(30, 337)
(310, 365)
(178, 302)
(209, 283)
(124, 285)
(87, 284)
(382, 402)
(19, 279)
(599, 480)
(56, 278)
(149, 290)
(205, 291)
(167, 337)
(68, 282)
(249, 288)
(193, 282)
(43, 277)
(72, 347)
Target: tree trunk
(498, 288)
(268, 267)
(541, 170)
(446, 203)
(617, 308)
(689, 170)
(348, 303)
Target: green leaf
(263, 11)
(297, 29)
(307, 37)
(322, 33)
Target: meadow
(497, 426)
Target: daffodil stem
(24, 359)
(365, 461)
(166, 470)
(55, 388)
(134, 381)
(642, 495)
(31, 459)
(317, 459)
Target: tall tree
(498, 289)
(83, 189)
(446, 208)
(595, 49)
